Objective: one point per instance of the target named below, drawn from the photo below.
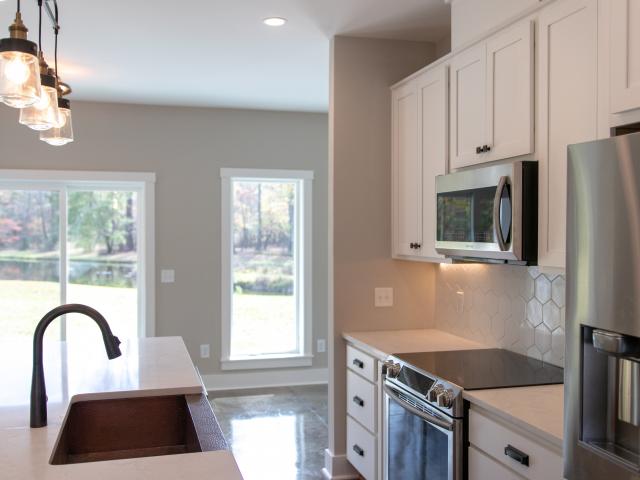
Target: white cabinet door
(407, 171)
(468, 106)
(433, 102)
(510, 92)
(625, 55)
(567, 111)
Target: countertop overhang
(147, 367)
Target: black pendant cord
(56, 29)
(40, 26)
(18, 6)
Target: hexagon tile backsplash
(512, 307)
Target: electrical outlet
(167, 276)
(459, 301)
(322, 345)
(205, 350)
(383, 297)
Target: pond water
(109, 274)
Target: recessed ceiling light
(274, 21)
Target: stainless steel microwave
(489, 214)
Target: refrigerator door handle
(611, 343)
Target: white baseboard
(265, 379)
(337, 467)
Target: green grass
(263, 321)
(23, 303)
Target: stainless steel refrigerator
(602, 369)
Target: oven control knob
(393, 369)
(434, 392)
(445, 399)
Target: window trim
(65, 181)
(304, 275)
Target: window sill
(252, 363)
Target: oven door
(478, 213)
(420, 443)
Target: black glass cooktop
(489, 368)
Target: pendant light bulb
(19, 67)
(62, 133)
(43, 114)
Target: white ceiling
(216, 52)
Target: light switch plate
(322, 345)
(167, 276)
(205, 351)
(383, 297)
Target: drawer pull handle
(358, 450)
(358, 363)
(358, 401)
(518, 455)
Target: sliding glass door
(71, 242)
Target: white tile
(543, 289)
(491, 304)
(534, 272)
(543, 338)
(497, 328)
(551, 315)
(558, 291)
(557, 343)
(528, 288)
(534, 312)
(533, 352)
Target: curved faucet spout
(38, 389)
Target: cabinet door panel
(468, 106)
(625, 55)
(510, 92)
(433, 104)
(568, 110)
(407, 171)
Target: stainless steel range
(425, 413)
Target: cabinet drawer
(492, 436)
(361, 363)
(361, 400)
(482, 467)
(361, 449)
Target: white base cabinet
(495, 447)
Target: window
(266, 268)
(75, 237)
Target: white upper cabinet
(468, 106)
(492, 98)
(433, 94)
(567, 111)
(419, 154)
(407, 171)
(625, 55)
(510, 92)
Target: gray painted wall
(360, 170)
(186, 147)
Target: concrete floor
(275, 433)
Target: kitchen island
(150, 367)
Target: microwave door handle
(427, 417)
(497, 225)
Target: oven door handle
(497, 223)
(427, 417)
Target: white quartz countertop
(147, 367)
(537, 409)
(381, 344)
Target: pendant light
(19, 66)
(43, 114)
(62, 133)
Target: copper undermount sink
(99, 430)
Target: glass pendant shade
(62, 132)
(43, 114)
(19, 72)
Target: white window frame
(303, 279)
(64, 181)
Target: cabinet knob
(358, 363)
(418, 246)
(358, 401)
(412, 246)
(486, 148)
(478, 149)
(358, 450)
